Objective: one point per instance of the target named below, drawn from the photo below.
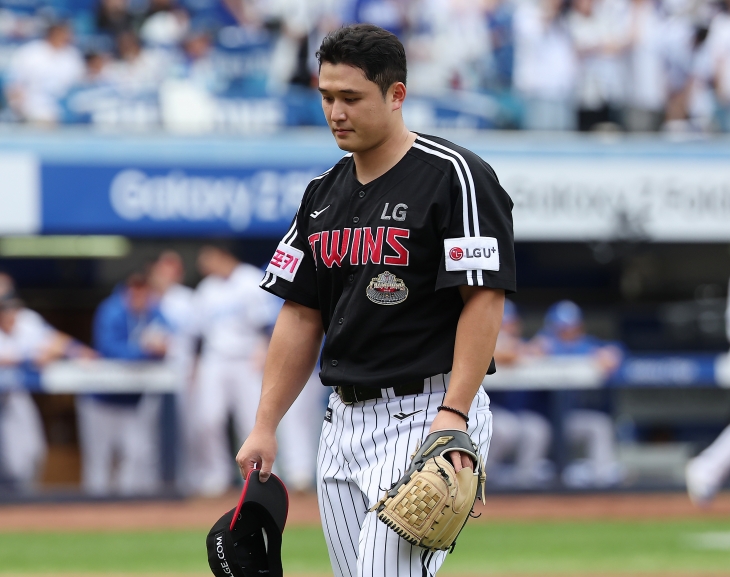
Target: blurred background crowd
(212, 340)
(199, 65)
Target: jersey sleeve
(478, 244)
(291, 273)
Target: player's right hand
(258, 452)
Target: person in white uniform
(176, 303)
(25, 338)
(705, 474)
(231, 315)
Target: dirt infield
(201, 513)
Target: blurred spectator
(545, 66)
(600, 30)
(96, 67)
(563, 334)
(138, 70)
(232, 313)
(706, 473)
(388, 14)
(500, 22)
(197, 64)
(520, 434)
(647, 88)
(165, 24)
(41, 73)
(113, 17)
(701, 96)
(453, 49)
(176, 306)
(718, 42)
(25, 340)
(294, 20)
(119, 433)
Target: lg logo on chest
(399, 212)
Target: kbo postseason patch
(473, 253)
(285, 262)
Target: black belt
(355, 394)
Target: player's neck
(375, 162)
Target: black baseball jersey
(383, 261)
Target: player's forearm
(476, 337)
(292, 354)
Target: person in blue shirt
(119, 432)
(563, 334)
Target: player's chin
(346, 140)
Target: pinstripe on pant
(364, 450)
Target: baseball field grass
(596, 535)
(668, 547)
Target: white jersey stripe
(470, 178)
(465, 194)
(467, 170)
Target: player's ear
(396, 95)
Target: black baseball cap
(246, 541)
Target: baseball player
(176, 303)
(118, 432)
(401, 255)
(25, 339)
(563, 333)
(232, 313)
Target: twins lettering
(362, 245)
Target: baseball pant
(223, 387)
(120, 446)
(714, 462)
(22, 439)
(364, 449)
(526, 435)
(594, 431)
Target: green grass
(505, 548)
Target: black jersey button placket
(355, 219)
(351, 277)
(339, 322)
(334, 362)
(361, 194)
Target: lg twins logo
(473, 253)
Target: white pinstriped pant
(364, 450)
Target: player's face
(358, 115)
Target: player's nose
(337, 114)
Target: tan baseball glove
(430, 504)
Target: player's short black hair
(375, 51)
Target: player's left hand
(446, 420)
